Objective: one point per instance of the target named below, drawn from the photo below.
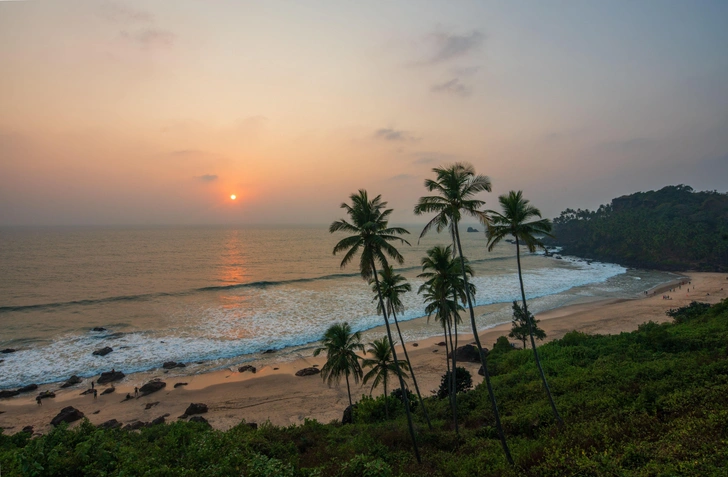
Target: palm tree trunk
(348, 389)
(412, 371)
(533, 341)
(453, 375)
(451, 384)
(396, 365)
(386, 397)
(483, 361)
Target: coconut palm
(341, 346)
(371, 238)
(393, 285)
(382, 366)
(516, 219)
(456, 186)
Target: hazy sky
(154, 112)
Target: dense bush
(649, 403)
(463, 382)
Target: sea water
(214, 297)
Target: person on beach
(39, 400)
(92, 384)
(136, 392)
(95, 392)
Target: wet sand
(275, 394)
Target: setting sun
(233, 197)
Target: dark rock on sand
(194, 408)
(177, 385)
(157, 421)
(98, 328)
(150, 405)
(88, 391)
(103, 351)
(110, 424)
(28, 429)
(8, 393)
(133, 426)
(71, 381)
(110, 376)
(200, 419)
(96, 412)
(308, 372)
(247, 367)
(269, 351)
(173, 364)
(480, 371)
(8, 351)
(152, 387)
(67, 414)
(441, 343)
(467, 353)
(28, 388)
(348, 417)
(435, 350)
(415, 344)
(108, 390)
(47, 394)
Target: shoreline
(274, 393)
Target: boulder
(308, 372)
(173, 364)
(200, 419)
(269, 351)
(441, 343)
(103, 351)
(28, 388)
(46, 394)
(471, 229)
(252, 425)
(8, 350)
(88, 391)
(157, 421)
(133, 426)
(348, 417)
(110, 424)
(28, 429)
(2, 361)
(152, 387)
(247, 367)
(8, 393)
(415, 345)
(67, 414)
(108, 390)
(150, 405)
(98, 328)
(110, 376)
(467, 353)
(194, 408)
(71, 381)
(177, 385)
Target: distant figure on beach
(39, 400)
(92, 384)
(136, 391)
(128, 396)
(95, 392)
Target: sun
(233, 197)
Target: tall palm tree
(456, 185)
(371, 237)
(393, 285)
(442, 288)
(341, 346)
(382, 366)
(516, 220)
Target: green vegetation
(652, 402)
(520, 329)
(673, 228)
(341, 346)
(382, 365)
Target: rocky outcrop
(8, 350)
(28, 429)
(177, 385)
(110, 424)
(348, 417)
(441, 343)
(108, 390)
(252, 425)
(28, 388)
(308, 372)
(110, 376)
(71, 381)
(200, 419)
(46, 394)
(133, 426)
(103, 351)
(150, 405)
(14, 392)
(98, 328)
(157, 421)
(471, 229)
(467, 353)
(152, 387)
(247, 367)
(173, 364)
(67, 414)
(269, 351)
(194, 408)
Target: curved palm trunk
(451, 384)
(483, 361)
(396, 365)
(412, 371)
(453, 375)
(348, 389)
(386, 397)
(533, 341)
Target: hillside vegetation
(651, 402)
(674, 228)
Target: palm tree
(341, 346)
(442, 287)
(514, 220)
(372, 237)
(393, 285)
(382, 366)
(456, 185)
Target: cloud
(207, 177)
(454, 87)
(118, 13)
(626, 146)
(389, 134)
(448, 46)
(427, 157)
(148, 38)
(401, 177)
(465, 70)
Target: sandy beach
(275, 394)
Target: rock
(150, 405)
(348, 417)
(110, 376)
(27, 429)
(308, 372)
(103, 351)
(467, 353)
(480, 371)
(173, 364)
(28, 388)
(275, 369)
(157, 421)
(71, 381)
(67, 414)
(98, 328)
(8, 350)
(96, 412)
(195, 408)
(110, 424)
(176, 385)
(441, 343)
(471, 229)
(269, 351)
(247, 367)
(108, 390)
(152, 387)
(252, 425)
(47, 394)
(435, 350)
(133, 426)
(88, 391)
(200, 419)
(14, 392)
(415, 345)
(2, 361)
(315, 365)
(8, 393)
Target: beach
(275, 394)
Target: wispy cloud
(465, 70)
(207, 177)
(118, 13)
(148, 38)
(138, 26)
(447, 46)
(402, 177)
(428, 157)
(454, 87)
(389, 134)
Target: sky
(155, 112)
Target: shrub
(463, 383)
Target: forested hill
(674, 228)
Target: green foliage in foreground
(652, 402)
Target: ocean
(217, 297)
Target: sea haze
(223, 295)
